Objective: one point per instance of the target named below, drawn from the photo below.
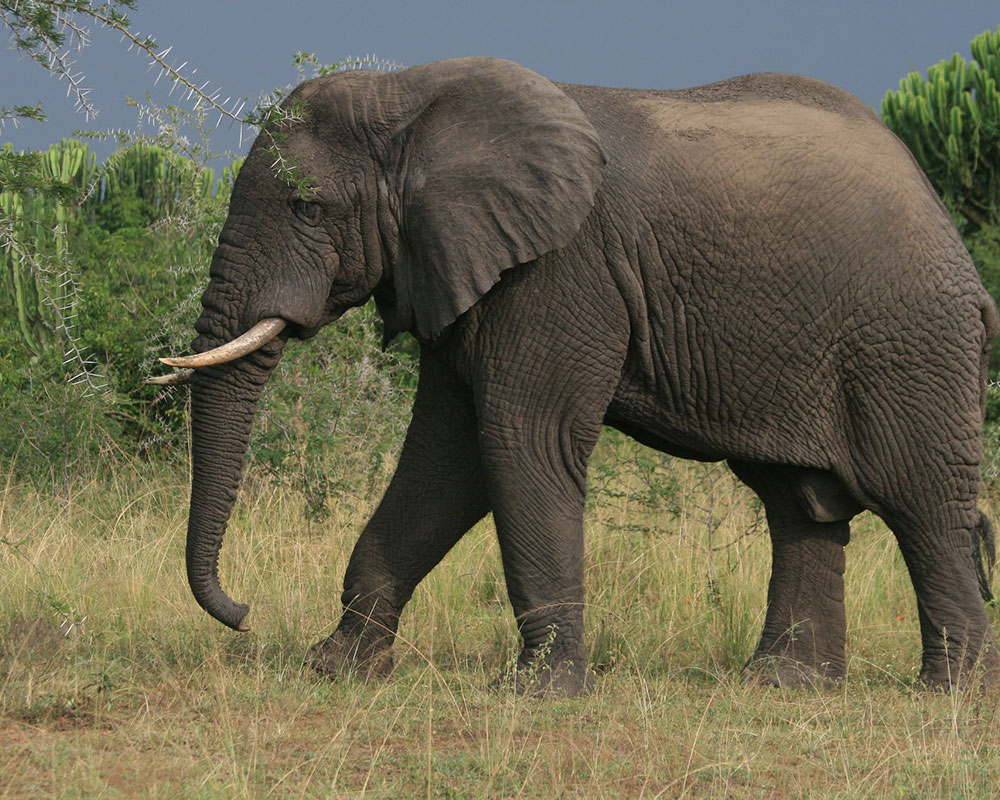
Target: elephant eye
(309, 211)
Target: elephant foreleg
(538, 510)
(436, 495)
(535, 456)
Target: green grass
(113, 683)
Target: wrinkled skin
(753, 271)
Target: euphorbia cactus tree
(951, 123)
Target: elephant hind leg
(939, 545)
(915, 447)
(804, 636)
(929, 503)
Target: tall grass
(114, 683)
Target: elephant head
(417, 187)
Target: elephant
(753, 271)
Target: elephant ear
(498, 167)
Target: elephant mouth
(255, 338)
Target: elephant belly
(652, 429)
(778, 423)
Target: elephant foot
(785, 672)
(342, 655)
(945, 675)
(802, 655)
(542, 675)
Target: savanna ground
(113, 683)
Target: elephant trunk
(223, 402)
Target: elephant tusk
(174, 379)
(259, 335)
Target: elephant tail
(985, 553)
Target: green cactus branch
(36, 234)
(951, 123)
(37, 219)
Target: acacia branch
(118, 22)
(44, 39)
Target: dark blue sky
(244, 47)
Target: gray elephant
(754, 271)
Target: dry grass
(114, 684)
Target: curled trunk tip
(212, 598)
